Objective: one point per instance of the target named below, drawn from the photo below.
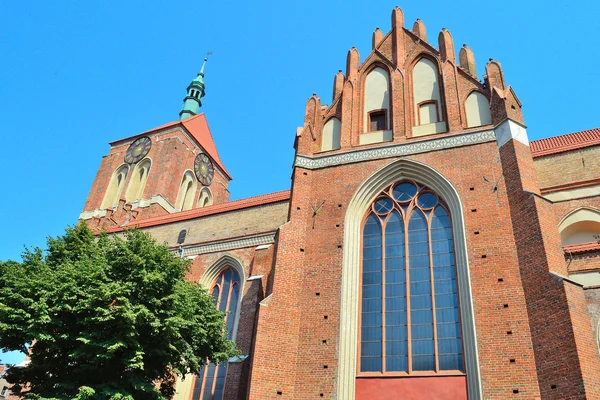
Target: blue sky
(76, 75)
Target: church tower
(168, 169)
(195, 92)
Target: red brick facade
(530, 302)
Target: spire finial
(195, 92)
(201, 73)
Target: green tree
(106, 318)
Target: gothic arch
(212, 273)
(477, 109)
(115, 186)
(362, 198)
(138, 180)
(187, 191)
(579, 226)
(371, 87)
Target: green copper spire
(195, 92)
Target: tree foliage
(106, 318)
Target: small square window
(377, 121)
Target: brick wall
(569, 167)
(172, 153)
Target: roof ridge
(234, 205)
(566, 142)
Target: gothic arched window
(210, 381)
(409, 317)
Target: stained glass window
(210, 381)
(409, 319)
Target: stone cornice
(226, 245)
(395, 150)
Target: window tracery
(409, 317)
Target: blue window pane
(451, 362)
(421, 302)
(233, 303)
(395, 276)
(370, 364)
(396, 348)
(421, 317)
(370, 349)
(372, 253)
(215, 294)
(446, 301)
(449, 346)
(446, 315)
(396, 364)
(393, 318)
(220, 381)
(371, 334)
(420, 274)
(427, 200)
(372, 225)
(448, 330)
(371, 278)
(396, 333)
(371, 291)
(395, 289)
(423, 363)
(420, 288)
(421, 331)
(371, 319)
(224, 296)
(422, 347)
(372, 265)
(395, 304)
(446, 286)
(395, 251)
(441, 246)
(371, 305)
(443, 259)
(383, 206)
(441, 273)
(404, 191)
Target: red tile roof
(582, 247)
(562, 143)
(197, 126)
(210, 210)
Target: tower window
(377, 120)
(409, 318)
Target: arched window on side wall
(580, 226)
(187, 191)
(115, 187)
(477, 109)
(409, 318)
(135, 190)
(226, 290)
(427, 99)
(206, 198)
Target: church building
(426, 248)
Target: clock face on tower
(204, 169)
(138, 150)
